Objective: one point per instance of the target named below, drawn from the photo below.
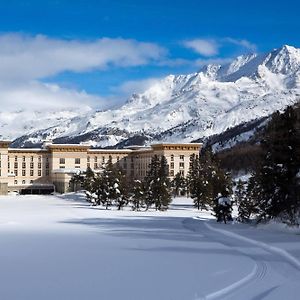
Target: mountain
(176, 108)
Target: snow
(60, 247)
(192, 106)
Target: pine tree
(157, 184)
(206, 179)
(76, 182)
(137, 195)
(88, 179)
(276, 176)
(200, 185)
(244, 203)
(179, 184)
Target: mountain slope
(185, 107)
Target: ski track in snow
(277, 251)
(260, 270)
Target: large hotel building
(51, 167)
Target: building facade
(52, 166)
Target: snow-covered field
(58, 247)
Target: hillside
(176, 108)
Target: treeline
(112, 187)
(273, 191)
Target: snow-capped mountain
(176, 108)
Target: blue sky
(182, 36)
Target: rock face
(177, 108)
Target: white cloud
(211, 47)
(39, 96)
(242, 43)
(24, 60)
(218, 61)
(34, 57)
(135, 86)
(205, 47)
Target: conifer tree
(276, 176)
(88, 179)
(206, 179)
(244, 203)
(137, 195)
(157, 183)
(178, 184)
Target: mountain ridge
(183, 107)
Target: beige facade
(52, 167)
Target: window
(31, 165)
(16, 158)
(31, 158)
(47, 172)
(16, 165)
(40, 158)
(181, 165)
(23, 158)
(77, 161)
(61, 167)
(95, 166)
(39, 165)
(47, 165)
(16, 172)
(172, 157)
(88, 159)
(39, 173)
(181, 157)
(88, 165)
(16, 181)
(31, 181)
(62, 161)
(95, 159)
(103, 159)
(23, 172)
(23, 165)
(31, 172)
(23, 182)
(172, 173)
(172, 165)
(181, 172)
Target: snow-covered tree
(157, 184)
(137, 195)
(244, 200)
(276, 177)
(206, 179)
(179, 184)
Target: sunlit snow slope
(183, 107)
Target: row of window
(31, 173)
(104, 158)
(31, 158)
(171, 173)
(23, 182)
(16, 165)
(182, 157)
(62, 161)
